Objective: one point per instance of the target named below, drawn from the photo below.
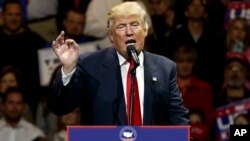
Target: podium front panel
(128, 133)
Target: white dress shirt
(124, 70)
(24, 131)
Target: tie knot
(132, 67)
(130, 61)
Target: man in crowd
(12, 126)
(73, 23)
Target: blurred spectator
(238, 35)
(73, 24)
(72, 118)
(204, 39)
(242, 119)
(19, 47)
(65, 5)
(10, 77)
(197, 94)
(45, 119)
(96, 15)
(163, 23)
(24, 10)
(42, 17)
(199, 129)
(235, 75)
(13, 127)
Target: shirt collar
(123, 61)
(20, 124)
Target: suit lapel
(150, 77)
(112, 77)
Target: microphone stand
(132, 92)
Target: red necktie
(136, 102)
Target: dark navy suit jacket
(96, 87)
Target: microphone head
(131, 48)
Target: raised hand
(67, 51)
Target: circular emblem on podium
(128, 133)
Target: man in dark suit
(98, 82)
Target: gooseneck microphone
(132, 53)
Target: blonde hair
(230, 29)
(126, 9)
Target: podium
(128, 133)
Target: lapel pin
(154, 78)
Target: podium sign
(128, 133)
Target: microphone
(132, 53)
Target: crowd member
(10, 77)
(19, 46)
(24, 10)
(45, 119)
(197, 94)
(65, 5)
(199, 128)
(74, 23)
(72, 118)
(163, 23)
(99, 83)
(205, 40)
(242, 119)
(235, 75)
(12, 125)
(237, 38)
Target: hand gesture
(67, 52)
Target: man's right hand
(67, 51)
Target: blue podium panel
(128, 133)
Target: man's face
(235, 74)
(184, 66)
(74, 23)
(8, 80)
(12, 17)
(158, 6)
(196, 10)
(13, 107)
(195, 118)
(127, 29)
(238, 32)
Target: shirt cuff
(66, 77)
